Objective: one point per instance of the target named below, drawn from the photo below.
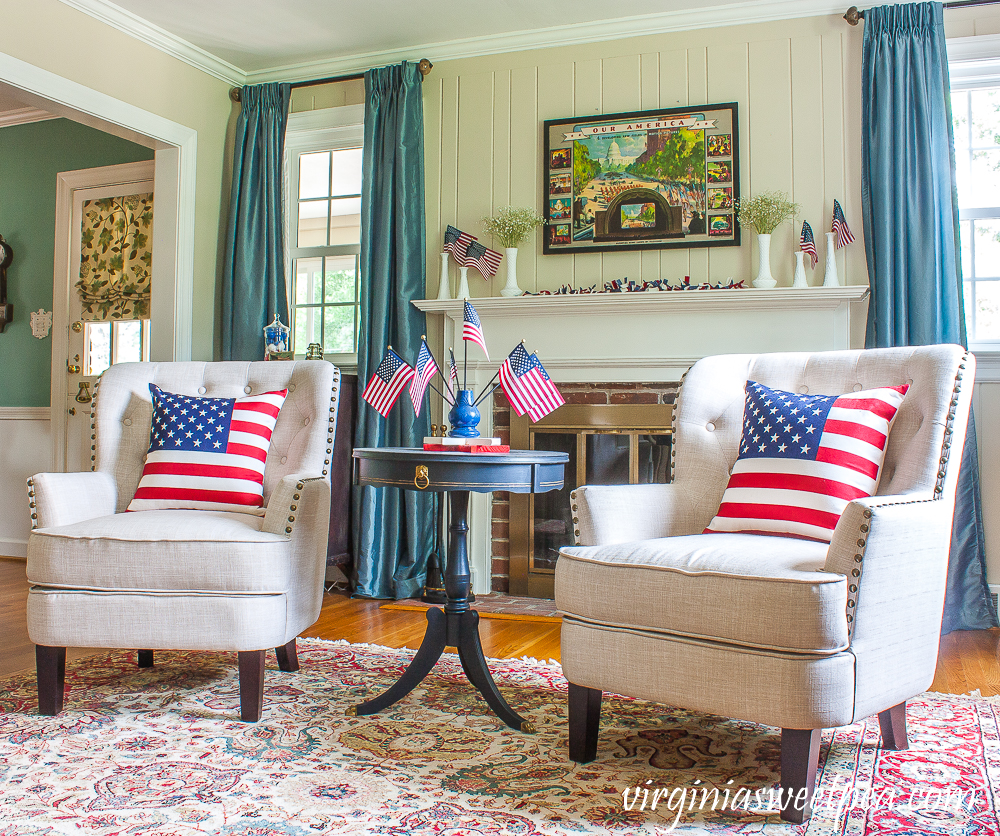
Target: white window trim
(973, 64)
(328, 129)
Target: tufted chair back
(123, 413)
(709, 413)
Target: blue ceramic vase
(464, 417)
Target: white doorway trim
(176, 148)
(65, 273)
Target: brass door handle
(421, 475)
(83, 396)
(72, 368)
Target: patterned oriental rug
(160, 751)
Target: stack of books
(447, 444)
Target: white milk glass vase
(463, 283)
(831, 279)
(444, 289)
(511, 288)
(764, 278)
(799, 279)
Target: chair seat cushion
(176, 550)
(757, 591)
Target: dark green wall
(30, 158)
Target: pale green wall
(30, 158)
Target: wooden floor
(968, 660)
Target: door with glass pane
(109, 290)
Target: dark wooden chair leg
(799, 762)
(50, 666)
(892, 723)
(584, 722)
(251, 685)
(144, 658)
(288, 657)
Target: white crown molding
(730, 14)
(151, 34)
(24, 116)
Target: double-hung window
(323, 155)
(975, 104)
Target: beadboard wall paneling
(799, 126)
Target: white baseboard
(13, 548)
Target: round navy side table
(457, 624)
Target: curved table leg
(470, 651)
(429, 652)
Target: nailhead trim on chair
(576, 519)
(332, 421)
(673, 426)
(31, 503)
(93, 427)
(859, 558)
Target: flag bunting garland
(472, 329)
(485, 260)
(424, 370)
(528, 386)
(807, 243)
(840, 228)
(457, 243)
(388, 381)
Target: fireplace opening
(623, 442)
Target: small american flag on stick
(840, 227)
(472, 329)
(425, 369)
(485, 260)
(528, 386)
(807, 243)
(452, 370)
(388, 381)
(457, 242)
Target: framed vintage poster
(652, 179)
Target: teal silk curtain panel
(394, 528)
(253, 279)
(911, 227)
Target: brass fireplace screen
(607, 444)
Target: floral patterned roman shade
(116, 256)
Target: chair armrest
(294, 496)
(605, 514)
(67, 498)
(894, 552)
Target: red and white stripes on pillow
(803, 458)
(207, 453)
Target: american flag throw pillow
(207, 454)
(803, 458)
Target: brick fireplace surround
(574, 393)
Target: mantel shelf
(650, 302)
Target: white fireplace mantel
(647, 337)
(654, 336)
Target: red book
(469, 448)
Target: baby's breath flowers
(766, 211)
(511, 225)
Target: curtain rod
(854, 14)
(424, 66)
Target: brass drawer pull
(421, 475)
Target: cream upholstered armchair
(781, 631)
(184, 579)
